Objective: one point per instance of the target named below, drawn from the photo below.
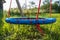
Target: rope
(38, 25)
(9, 9)
(50, 7)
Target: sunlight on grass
(16, 31)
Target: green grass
(25, 32)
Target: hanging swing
(36, 20)
(30, 20)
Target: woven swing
(30, 20)
(36, 20)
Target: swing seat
(30, 20)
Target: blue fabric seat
(30, 20)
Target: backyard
(29, 32)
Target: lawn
(29, 32)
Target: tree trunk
(1, 13)
(19, 7)
(59, 2)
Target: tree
(46, 2)
(32, 3)
(57, 6)
(54, 6)
(46, 5)
(19, 7)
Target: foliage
(58, 9)
(46, 6)
(1, 17)
(32, 4)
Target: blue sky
(14, 5)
